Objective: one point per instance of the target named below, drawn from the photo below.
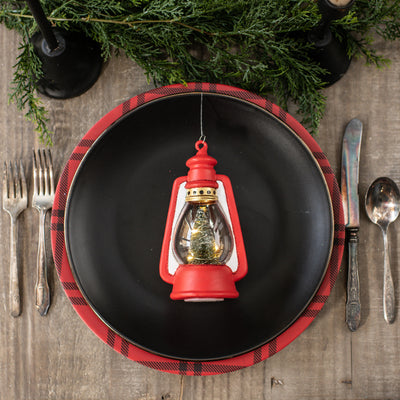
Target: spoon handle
(353, 304)
(388, 288)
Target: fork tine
(5, 182)
(11, 181)
(35, 173)
(40, 164)
(51, 171)
(45, 171)
(17, 181)
(24, 191)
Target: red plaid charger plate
(128, 349)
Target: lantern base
(203, 283)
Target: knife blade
(351, 208)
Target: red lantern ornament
(203, 253)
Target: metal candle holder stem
(43, 24)
(328, 51)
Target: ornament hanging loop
(201, 144)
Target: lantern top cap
(201, 167)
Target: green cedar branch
(259, 45)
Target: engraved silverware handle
(353, 304)
(388, 288)
(15, 299)
(42, 290)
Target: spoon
(382, 204)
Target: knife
(351, 208)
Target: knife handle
(353, 304)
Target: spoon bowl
(382, 204)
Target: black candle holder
(328, 51)
(71, 62)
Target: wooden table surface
(58, 357)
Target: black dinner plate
(116, 214)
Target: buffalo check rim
(128, 349)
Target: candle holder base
(331, 55)
(70, 69)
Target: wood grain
(58, 357)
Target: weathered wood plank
(58, 357)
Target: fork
(15, 200)
(42, 200)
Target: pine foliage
(258, 45)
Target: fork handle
(42, 291)
(15, 299)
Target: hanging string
(202, 135)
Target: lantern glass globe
(202, 235)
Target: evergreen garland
(257, 45)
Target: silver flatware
(15, 200)
(42, 200)
(349, 187)
(382, 203)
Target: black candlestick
(43, 24)
(71, 62)
(329, 52)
